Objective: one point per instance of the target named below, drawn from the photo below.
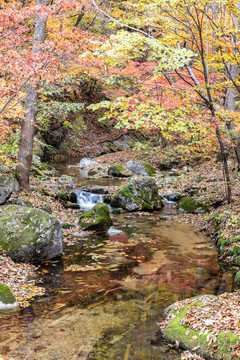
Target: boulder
(86, 162)
(141, 168)
(191, 324)
(5, 194)
(8, 185)
(29, 234)
(96, 219)
(7, 300)
(10, 182)
(191, 205)
(140, 194)
(118, 170)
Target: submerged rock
(141, 194)
(141, 168)
(29, 234)
(118, 170)
(191, 205)
(7, 300)
(96, 219)
(199, 324)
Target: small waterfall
(87, 200)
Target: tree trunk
(27, 130)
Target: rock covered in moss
(198, 324)
(141, 194)
(191, 205)
(118, 170)
(96, 219)
(7, 300)
(29, 234)
(141, 168)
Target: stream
(106, 295)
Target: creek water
(106, 295)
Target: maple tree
(165, 65)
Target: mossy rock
(193, 339)
(141, 194)
(141, 168)
(6, 297)
(191, 205)
(118, 170)
(96, 219)
(29, 234)
(237, 278)
(92, 172)
(62, 195)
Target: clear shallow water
(111, 311)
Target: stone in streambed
(96, 219)
(141, 168)
(29, 234)
(191, 205)
(140, 194)
(118, 170)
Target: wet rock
(86, 162)
(7, 300)
(118, 170)
(141, 168)
(174, 197)
(29, 234)
(192, 205)
(96, 219)
(141, 194)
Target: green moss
(237, 278)
(6, 296)
(190, 339)
(191, 205)
(23, 227)
(96, 219)
(149, 169)
(141, 194)
(118, 170)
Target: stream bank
(99, 276)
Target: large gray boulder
(141, 194)
(141, 168)
(29, 234)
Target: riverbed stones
(29, 234)
(202, 332)
(96, 219)
(140, 194)
(7, 300)
(192, 205)
(118, 170)
(141, 168)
